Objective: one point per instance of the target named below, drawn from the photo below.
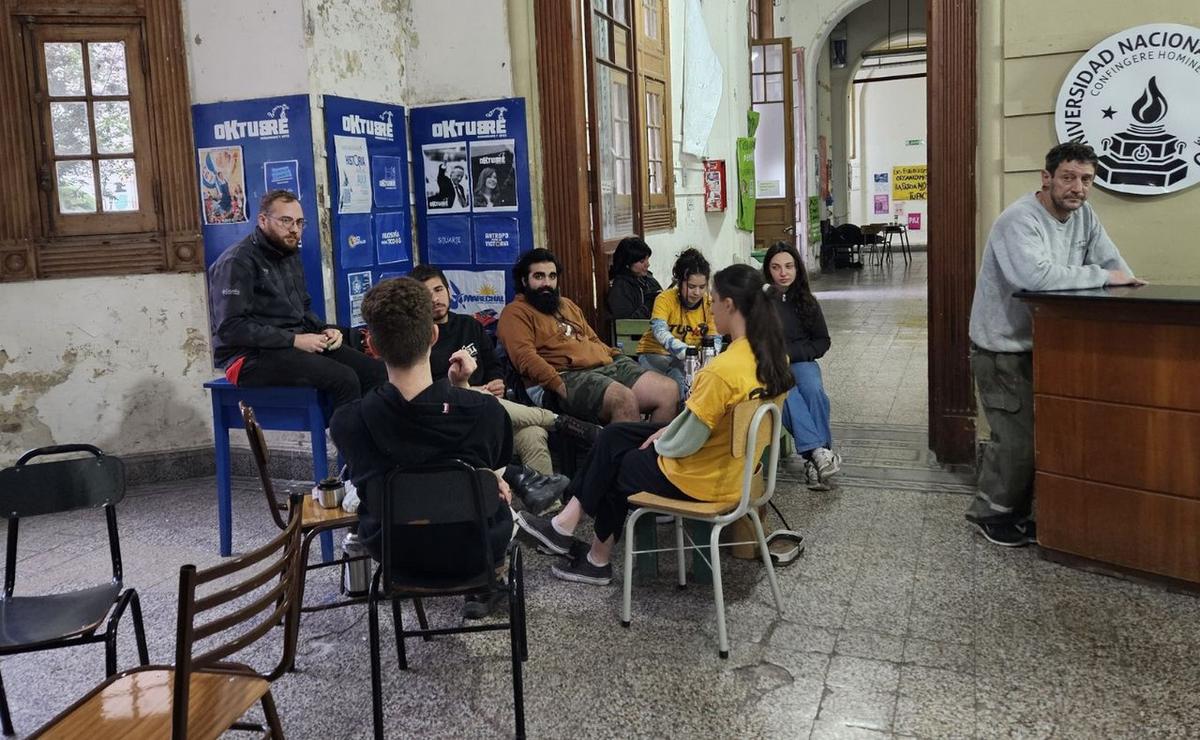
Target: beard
(543, 299)
(281, 242)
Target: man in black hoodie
(413, 419)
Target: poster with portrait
(222, 185)
(353, 173)
(447, 178)
(493, 171)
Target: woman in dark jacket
(806, 411)
(633, 290)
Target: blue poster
(355, 245)
(357, 285)
(282, 176)
(470, 164)
(497, 240)
(386, 180)
(239, 144)
(391, 241)
(368, 182)
(449, 241)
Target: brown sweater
(540, 346)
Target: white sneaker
(795, 464)
(828, 462)
(812, 478)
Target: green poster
(814, 220)
(745, 174)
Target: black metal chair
(440, 495)
(49, 621)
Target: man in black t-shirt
(535, 481)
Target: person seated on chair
(534, 481)
(689, 459)
(682, 317)
(264, 331)
(559, 355)
(413, 420)
(633, 289)
(806, 411)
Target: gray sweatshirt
(1029, 249)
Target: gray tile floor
(898, 621)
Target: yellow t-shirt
(684, 325)
(711, 473)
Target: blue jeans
(806, 409)
(671, 367)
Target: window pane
(69, 124)
(654, 143)
(64, 69)
(118, 185)
(775, 58)
(620, 10)
(114, 127)
(601, 5)
(614, 149)
(775, 88)
(650, 18)
(107, 60)
(756, 59)
(621, 46)
(602, 42)
(757, 92)
(76, 186)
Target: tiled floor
(898, 621)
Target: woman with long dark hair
(681, 318)
(633, 289)
(806, 412)
(488, 193)
(690, 458)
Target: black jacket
(632, 297)
(458, 332)
(807, 339)
(258, 299)
(382, 431)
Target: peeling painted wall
(115, 362)
(357, 50)
(238, 49)
(458, 51)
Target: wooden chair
(314, 520)
(752, 432)
(35, 622)
(204, 694)
(451, 494)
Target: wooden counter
(1116, 379)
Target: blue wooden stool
(279, 408)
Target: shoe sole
(578, 578)
(983, 531)
(543, 541)
(819, 486)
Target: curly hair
(1071, 151)
(399, 316)
(689, 262)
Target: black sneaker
(581, 570)
(579, 429)
(1005, 534)
(539, 493)
(482, 606)
(548, 538)
(1029, 529)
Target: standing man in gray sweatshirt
(1048, 240)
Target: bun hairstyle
(689, 262)
(752, 297)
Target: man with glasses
(263, 327)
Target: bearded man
(562, 362)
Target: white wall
(458, 51)
(240, 50)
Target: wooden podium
(1116, 379)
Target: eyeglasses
(288, 222)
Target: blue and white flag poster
(391, 240)
(353, 173)
(479, 293)
(354, 239)
(449, 240)
(386, 181)
(497, 240)
(358, 283)
(283, 175)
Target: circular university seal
(1135, 98)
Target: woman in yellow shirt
(691, 457)
(682, 316)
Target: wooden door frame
(786, 201)
(953, 134)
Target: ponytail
(754, 299)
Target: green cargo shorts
(586, 388)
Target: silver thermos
(691, 364)
(356, 574)
(708, 349)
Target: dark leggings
(344, 373)
(616, 469)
